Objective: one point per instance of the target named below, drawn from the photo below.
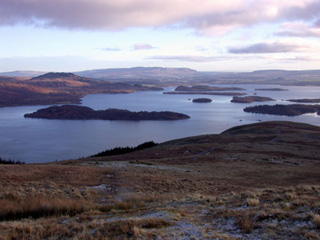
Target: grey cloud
(84, 14)
(142, 46)
(265, 48)
(303, 33)
(309, 12)
(317, 23)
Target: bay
(41, 140)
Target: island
(205, 88)
(202, 100)
(271, 89)
(284, 110)
(305, 100)
(73, 112)
(209, 93)
(251, 99)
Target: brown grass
(121, 229)
(253, 202)
(35, 206)
(316, 220)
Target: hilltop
(58, 88)
(257, 181)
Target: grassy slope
(56, 88)
(254, 181)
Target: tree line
(124, 150)
(3, 161)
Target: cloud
(142, 46)
(187, 58)
(274, 47)
(307, 10)
(300, 59)
(214, 17)
(110, 49)
(298, 29)
(317, 23)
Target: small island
(202, 100)
(251, 99)
(271, 89)
(73, 112)
(205, 88)
(305, 100)
(284, 110)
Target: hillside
(182, 76)
(139, 73)
(257, 181)
(57, 88)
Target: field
(258, 181)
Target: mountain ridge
(161, 75)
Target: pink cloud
(214, 17)
(298, 29)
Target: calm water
(39, 140)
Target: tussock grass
(316, 220)
(122, 205)
(36, 206)
(120, 229)
(253, 202)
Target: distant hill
(185, 76)
(275, 77)
(135, 73)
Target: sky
(205, 35)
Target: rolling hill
(257, 181)
(178, 76)
(57, 88)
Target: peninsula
(58, 88)
(284, 110)
(73, 112)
